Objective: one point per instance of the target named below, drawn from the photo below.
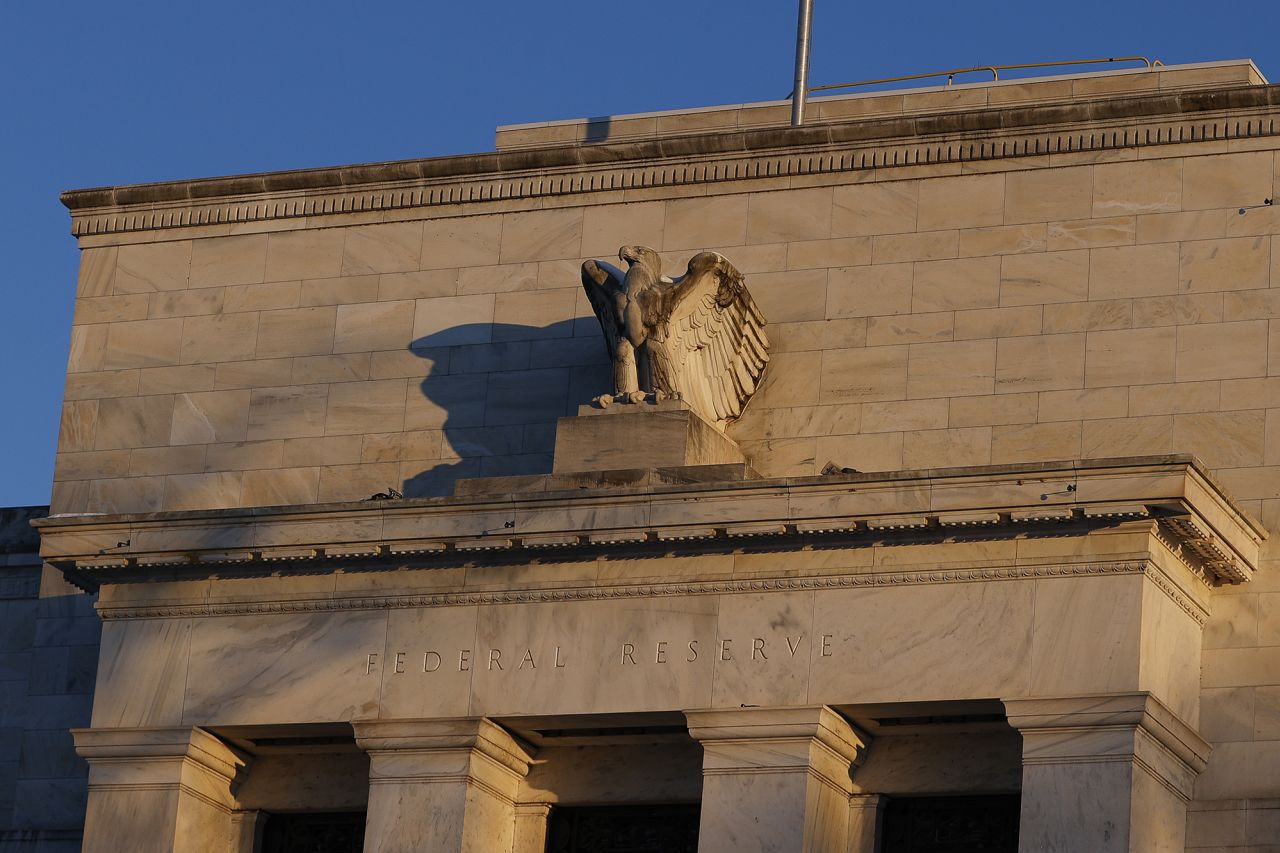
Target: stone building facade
(1029, 320)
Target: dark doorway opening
(969, 824)
(320, 832)
(624, 829)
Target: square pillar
(774, 779)
(531, 827)
(866, 822)
(1103, 774)
(443, 785)
(165, 790)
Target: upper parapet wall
(1206, 105)
(882, 104)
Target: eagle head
(642, 255)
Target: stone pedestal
(162, 790)
(639, 435)
(1102, 774)
(775, 779)
(444, 785)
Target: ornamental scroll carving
(697, 338)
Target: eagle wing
(603, 284)
(716, 348)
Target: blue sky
(110, 93)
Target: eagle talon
(604, 401)
(636, 397)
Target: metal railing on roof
(994, 69)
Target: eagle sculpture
(698, 338)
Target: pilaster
(775, 779)
(441, 785)
(1104, 773)
(866, 822)
(165, 790)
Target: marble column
(442, 785)
(1102, 774)
(866, 819)
(775, 779)
(531, 827)
(166, 790)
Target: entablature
(1173, 496)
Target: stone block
(424, 284)
(461, 242)
(966, 201)
(1002, 240)
(1104, 437)
(1226, 180)
(1031, 442)
(927, 246)
(128, 422)
(705, 222)
(504, 278)
(1144, 186)
(787, 297)
(780, 217)
(884, 207)
(1222, 351)
(364, 407)
(202, 491)
(394, 247)
(956, 284)
(993, 409)
(865, 375)
(343, 290)
(842, 252)
(1093, 233)
(534, 314)
(454, 320)
(868, 291)
(373, 326)
(943, 448)
(1107, 315)
(280, 487)
(541, 235)
(1046, 277)
(1185, 309)
(1040, 363)
(264, 372)
(220, 337)
(186, 303)
(311, 253)
(1046, 195)
(260, 297)
(142, 343)
(88, 349)
(210, 417)
(999, 322)
(240, 259)
(289, 412)
(607, 227)
(911, 328)
(1239, 263)
(1130, 357)
(646, 435)
(296, 331)
(148, 267)
(1129, 271)
(111, 309)
(152, 461)
(77, 425)
(951, 369)
(316, 369)
(97, 272)
(1221, 439)
(882, 451)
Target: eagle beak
(626, 254)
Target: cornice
(398, 189)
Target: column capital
(797, 724)
(1137, 725)
(186, 757)
(444, 734)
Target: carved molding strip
(658, 590)
(672, 172)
